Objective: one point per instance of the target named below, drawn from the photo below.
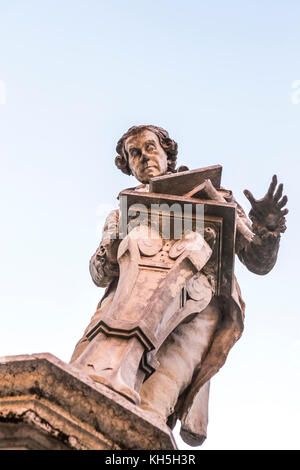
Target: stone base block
(48, 404)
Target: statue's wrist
(260, 228)
(106, 257)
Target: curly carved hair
(169, 146)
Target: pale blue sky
(218, 75)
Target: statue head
(146, 152)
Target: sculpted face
(146, 157)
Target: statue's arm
(103, 264)
(268, 222)
(260, 257)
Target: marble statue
(168, 318)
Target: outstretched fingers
(272, 186)
(278, 193)
(250, 197)
(283, 202)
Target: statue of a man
(198, 347)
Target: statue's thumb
(249, 196)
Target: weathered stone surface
(47, 404)
(172, 311)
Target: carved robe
(222, 320)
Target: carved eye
(150, 147)
(134, 153)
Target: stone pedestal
(47, 404)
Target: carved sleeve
(103, 264)
(260, 255)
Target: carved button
(167, 246)
(163, 256)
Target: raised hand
(269, 211)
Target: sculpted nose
(145, 158)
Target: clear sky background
(218, 76)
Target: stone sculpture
(172, 309)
